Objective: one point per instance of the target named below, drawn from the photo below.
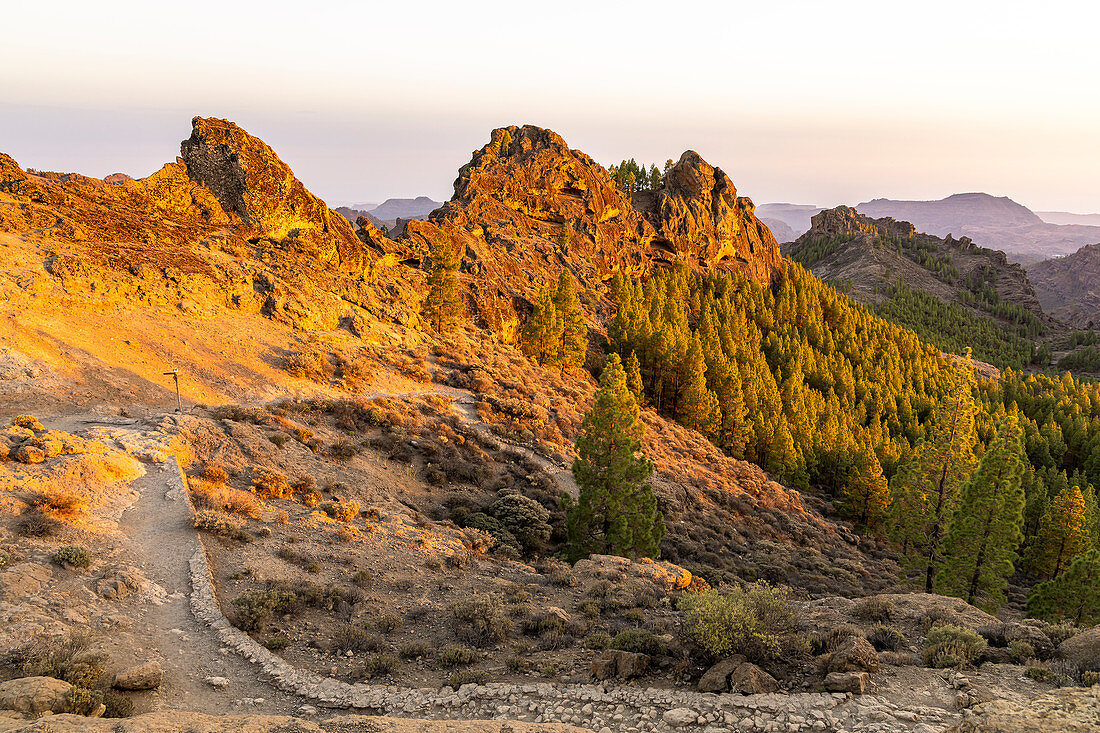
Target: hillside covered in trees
(950, 292)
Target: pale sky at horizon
(800, 101)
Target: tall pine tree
(697, 407)
(616, 512)
(1072, 596)
(541, 333)
(926, 489)
(979, 550)
(443, 306)
(1063, 533)
(573, 341)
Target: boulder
(34, 695)
(717, 678)
(855, 654)
(1039, 641)
(620, 664)
(1083, 649)
(146, 676)
(30, 454)
(680, 717)
(853, 682)
(748, 679)
(1066, 710)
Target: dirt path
(161, 543)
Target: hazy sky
(804, 101)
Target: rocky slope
(1069, 287)
(866, 254)
(996, 222)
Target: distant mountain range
(390, 210)
(995, 222)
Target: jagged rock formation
(1069, 287)
(698, 216)
(249, 180)
(527, 206)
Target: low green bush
(755, 621)
(952, 646)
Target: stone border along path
(601, 707)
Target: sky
(797, 100)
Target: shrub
(480, 620)
(341, 511)
(277, 643)
(1037, 672)
(225, 498)
(415, 649)
(85, 671)
(59, 504)
(380, 665)
(271, 485)
(214, 473)
(952, 646)
(349, 638)
(457, 656)
(387, 622)
(363, 578)
(82, 701)
(468, 677)
(344, 449)
(117, 704)
(306, 364)
(30, 422)
(599, 640)
(73, 555)
(526, 519)
(517, 664)
(311, 499)
(220, 524)
(755, 621)
(591, 609)
(878, 610)
(886, 638)
(639, 642)
(830, 641)
(254, 607)
(1021, 651)
(36, 524)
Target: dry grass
(225, 498)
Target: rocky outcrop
(698, 216)
(34, 695)
(1083, 649)
(251, 183)
(527, 206)
(1066, 710)
(146, 676)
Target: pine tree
(443, 305)
(979, 550)
(616, 512)
(697, 407)
(926, 490)
(634, 376)
(505, 143)
(541, 334)
(573, 339)
(866, 493)
(1072, 596)
(1063, 533)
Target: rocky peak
(698, 216)
(844, 220)
(250, 181)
